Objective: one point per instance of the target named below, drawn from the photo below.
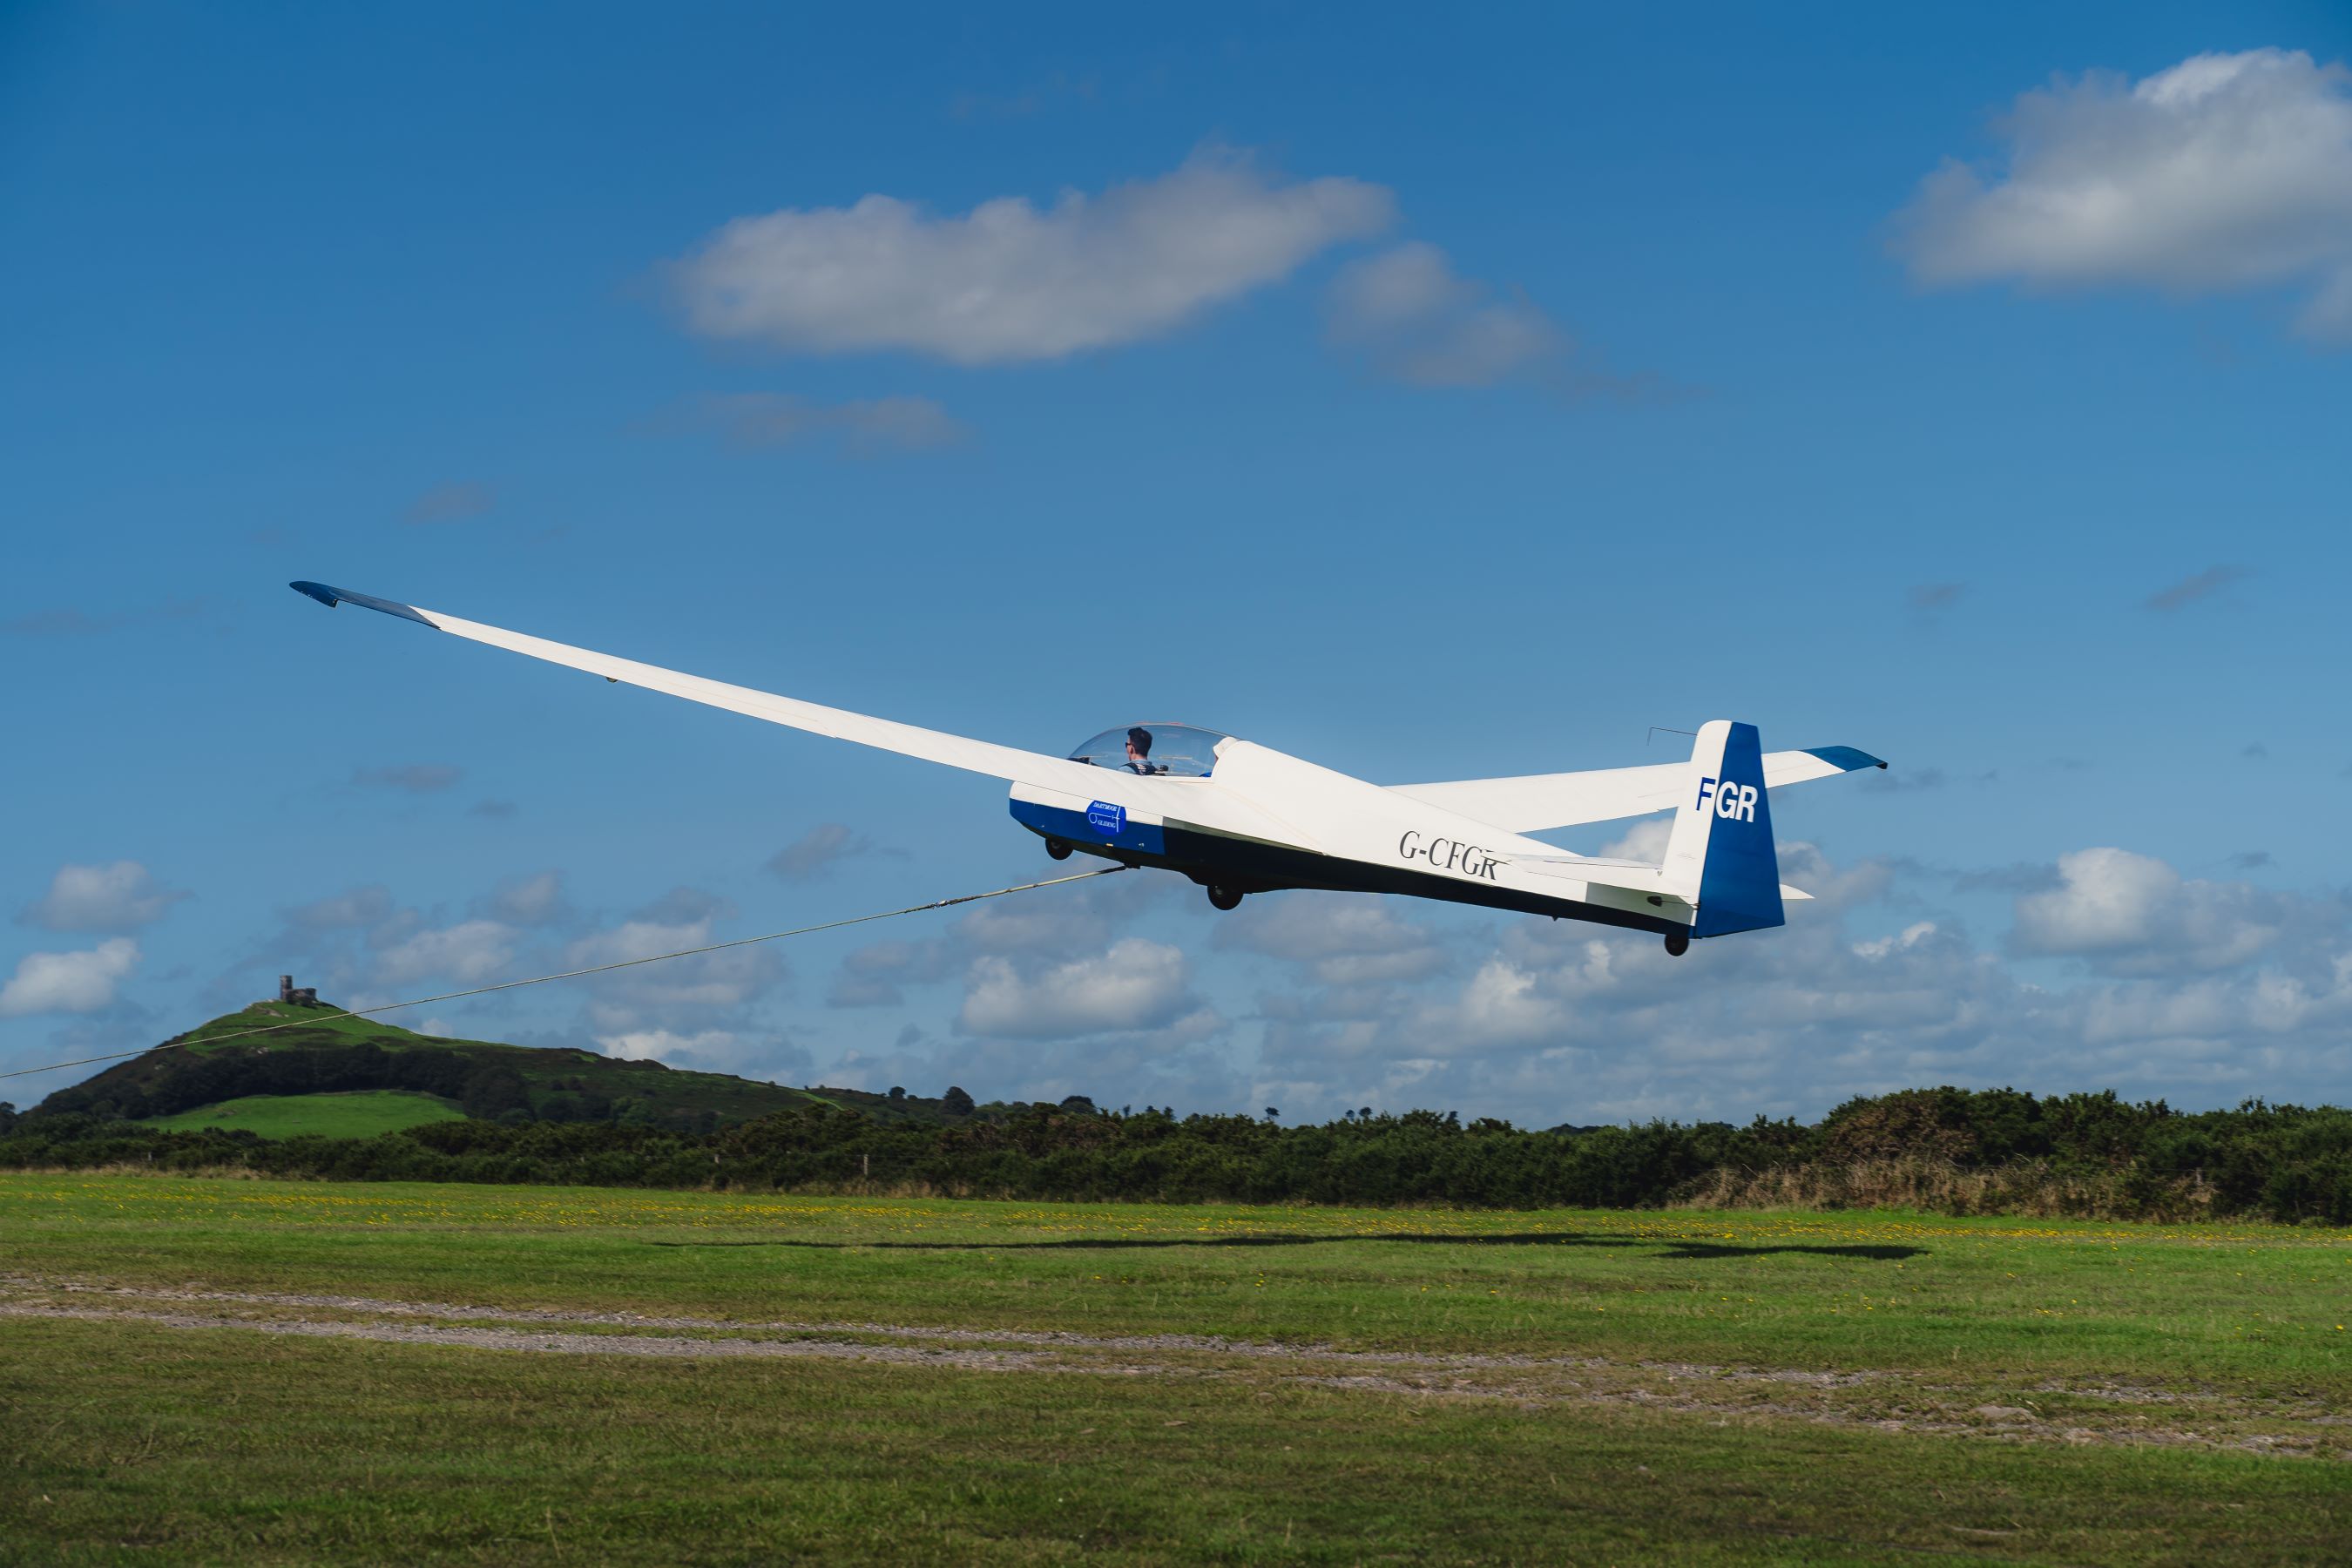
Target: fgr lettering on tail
(1733, 802)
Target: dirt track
(1891, 1401)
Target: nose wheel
(1058, 849)
(1225, 897)
(1677, 944)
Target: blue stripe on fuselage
(1072, 826)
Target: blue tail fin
(1720, 852)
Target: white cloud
(1643, 840)
(117, 898)
(1008, 282)
(530, 900)
(2134, 915)
(1415, 320)
(468, 953)
(660, 1044)
(1135, 985)
(1342, 939)
(69, 982)
(816, 851)
(2224, 172)
(749, 1052)
(684, 918)
(2203, 993)
(1066, 919)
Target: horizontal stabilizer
(1633, 876)
(1534, 802)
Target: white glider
(1239, 818)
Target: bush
(1957, 1151)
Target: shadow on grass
(1667, 1249)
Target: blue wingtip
(1846, 759)
(330, 597)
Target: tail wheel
(1057, 849)
(1225, 897)
(1677, 944)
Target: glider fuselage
(1262, 820)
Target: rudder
(1721, 848)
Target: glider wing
(1539, 801)
(1153, 799)
(1035, 768)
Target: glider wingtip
(331, 596)
(1845, 759)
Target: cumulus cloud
(871, 977)
(452, 502)
(471, 952)
(1414, 319)
(2195, 586)
(354, 907)
(1051, 924)
(684, 917)
(868, 428)
(747, 1052)
(1029, 932)
(1337, 939)
(1010, 282)
(2225, 171)
(2201, 992)
(1643, 839)
(81, 981)
(534, 900)
(411, 778)
(123, 896)
(2130, 914)
(1135, 985)
(818, 850)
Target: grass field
(287, 1372)
(362, 1113)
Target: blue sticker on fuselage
(1107, 819)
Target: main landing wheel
(1677, 944)
(1225, 897)
(1057, 849)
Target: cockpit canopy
(1173, 751)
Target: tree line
(1959, 1150)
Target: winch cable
(571, 973)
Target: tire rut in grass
(1878, 1399)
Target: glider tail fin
(1720, 852)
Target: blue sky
(1430, 401)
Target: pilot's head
(1138, 741)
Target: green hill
(321, 1071)
(353, 1113)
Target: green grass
(147, 1445)
(2252, 1304)
(132, 1442)
(546, 1071)
(313, 1025)
(362, 1113)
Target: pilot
(1139, 752)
